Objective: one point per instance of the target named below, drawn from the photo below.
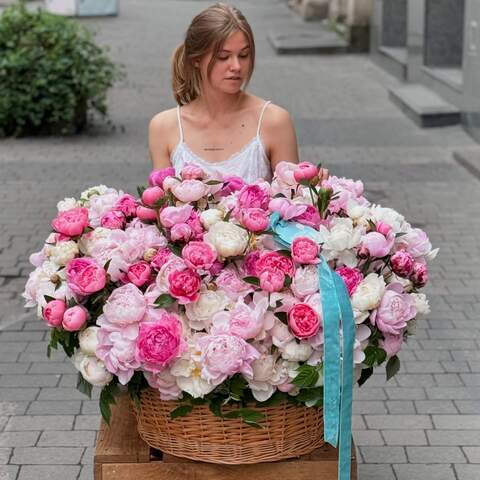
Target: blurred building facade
(433, 46)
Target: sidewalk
(425, 423)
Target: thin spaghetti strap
(179, 124)
(265, 105)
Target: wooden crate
(122, 455)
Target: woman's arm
(280, 136)
(158, 134)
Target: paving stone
(406, 393)
(404, 437)
(468, 406)
(435, 406)
(398, 407)
(472, 454)
(455, 367)
(68, 393)
(367, 437)
(67, 439)
(398, 422)
(13, 368)
(8, 472)
(456, 422)
(423, 367)
(375, 472)
(420, 472)
(89, 422)
(9, 394)
(29, 380)
(86, 473)
(54, 407)
(453, 437)
(46, 456)
(18, 439)
(383, 454)
(54, 472)
(13, 408)
(51, 367)
(471, 378)
(5, 455)
(88, 456)
(361, 406)
(450, 393)
(467, 472)
(435, 455)
(40, 422)
(92, 407)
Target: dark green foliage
(51, 73)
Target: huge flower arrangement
(186, 290)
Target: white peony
(296, 352)
(356, 211)
(92, 369)
(280, 334)
(390, 217)
(92, 191)
(421, 303)
(305, 281)
(209, 303)
(67, 204)
(210, 217)
(362, 333)
(88, 340)
(88, 240)
(369, 292)
(62, 252)
(228, 239)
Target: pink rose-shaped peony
(377, 244)
(190, 190)
(250, 261)
(271, 279)
(192, 172)
(161, 257)
(71, 222)
(85, 276)
(74, 318)
(171, 216)
(284, 171)
(253, 196)
(255, 219)
(151, 195)
(53, 312)
(181, 232)
(305, 250)
(199, 255)
(196, 226)
(303, 321)
(352, 278)
(157, 177)
(113, 219)
(139, 273)
(305, 171)
(276, 261)
(232, 184)
(395, 310)
(165, 383)
(416, 243)
(383, 228)
(310, 217)
(229, 281)
(345, 190)
(286, 208)
(127, 205)
(402, 263)
(224, 355)
(159, 342)
(146, 214)
(391, 343)
(419, 275)
(184, 285)
(126, 305)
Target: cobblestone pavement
(425, 423)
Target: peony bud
(88, 340)
(53, 312)
(146, 214)
(305, 171)
(151, 195)
(74, 318)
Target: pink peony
(303, 320)
(184, 285)
(271, 279)
(139, 273)
(416, 243)
(85, 276)
(146, 214)
(284, 171)
(377, 244)
(161, 257)
(232, 184)
(127, 205)
(255, 219)
(345, 190)
(305, 250)
(286, 208)
(190, 190)
(53, 312)
(253, 196)
(165, 383)
(419, 275)
(216, 268)
(383, 228)
(229, 281)
(181, 232)
(224, 355)
(192, 172)
(250, 261)
(395, 310)
(159, 342)
(157, 177)
(152, 195)
(74, 318)
(71, 222)
(195, 225)
(352, 278)
(171, 216)
(305, 171)
(310, 217)
(402, 263)
(126, 305)
(241, 321)
(199, 255)
(391, 343)
(276, 261)
(114, 219)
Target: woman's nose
(235, 64)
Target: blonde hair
(207, 31)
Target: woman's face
(231, 67)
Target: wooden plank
(120, 442)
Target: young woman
(217, 124)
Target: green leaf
(285, 253)
(107, 264)
(181, 411)
(215, 406)
(83, 386)
(393, 367)
(140, 190)
(275, 399)
(48, 298)
(107, 398)
(237, 386)
(287, 282)
(251, 417)
(165, 300)
(282, 316)
(252, 280)
(213, 182)
(310, 394)
(365, 375)
(307, 376)
(176, 249)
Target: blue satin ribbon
(338, 349)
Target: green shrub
(51, 74)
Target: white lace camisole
(250, 163)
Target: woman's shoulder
(164, 121)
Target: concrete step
(424, 106)
(302, 40)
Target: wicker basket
(288, 431)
